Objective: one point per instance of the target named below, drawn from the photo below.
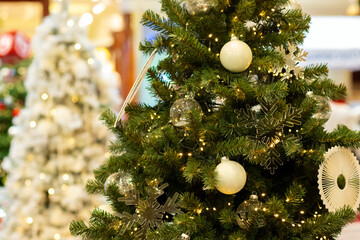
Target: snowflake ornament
(269, 128)
(292, 56)
(149, 212)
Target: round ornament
(247, 213)
(2, 106)
(124, 181)
(181, 110)
(199, 6)
(14, 47)
(230, 176)
(236, 56)
(15, 112)
(339, 179)
(324, 107)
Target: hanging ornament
(2, 106)
(339, 179)
(124, 181)
(199, 6)
(292, 56)
(236, 56)
(15, 112)
(247, 213)
(181, 110)
(230, 176)
(324, 110)
(14, 47)
(292, 5)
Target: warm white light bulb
(98, 8)
(29, 220)
(70, 23)
(86, 19)
(90, 61)
(51, 191)
(44, 96)
(77, 46)
(32, 124)
(66, 177)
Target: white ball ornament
(236, 56)
(230, 176)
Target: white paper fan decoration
(339, 179)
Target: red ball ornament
(2, 106)
(14, 47)
(15, 112)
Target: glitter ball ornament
(199, 6)
(124, 181)
(230, 176)
(247, 213)
(181, 110)
(324, 107)
(236, 56)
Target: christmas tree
(12, 97)
(58, 139)
(235, 147)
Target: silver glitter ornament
(181, 110)
(247, 213)
(124, 181)
(324, 110)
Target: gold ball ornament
(236, 56)
(230, 176)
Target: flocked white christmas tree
(58, 140)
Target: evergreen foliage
(280, 136)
